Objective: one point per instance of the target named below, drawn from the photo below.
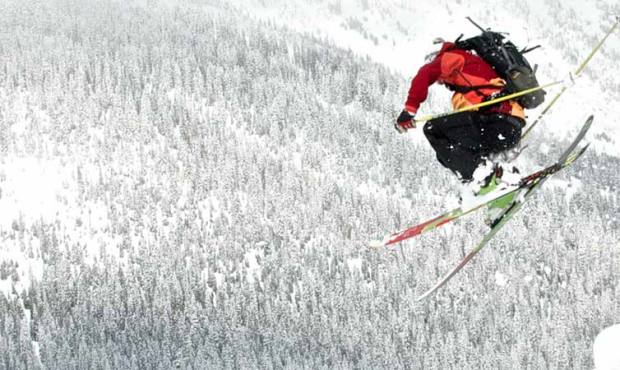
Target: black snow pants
(463, 140)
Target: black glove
(404, 122)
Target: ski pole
(585, 62)
(525, 92)
(487, 103)
(577, 72)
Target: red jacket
(461, 68)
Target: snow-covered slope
(183, 186)
(399, 34)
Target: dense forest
(217, 182)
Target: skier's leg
(456, 141)
(499, 132)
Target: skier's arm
(427, 75)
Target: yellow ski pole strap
(487, 103)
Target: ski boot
(496, 208)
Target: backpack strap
(471, 87)
(466, 89)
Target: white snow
(354, 265)
(253, 268)
(37, 191)
(500, 279)
(28, 267)
(567, 187)
(607, 349)
(32, 188)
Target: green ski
(570, 155)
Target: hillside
(184, 186)
(399, 34)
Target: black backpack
(509, 63)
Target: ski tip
(586, 126)
(421, 298)
(425, 295)
(376, 244)
(585, 147)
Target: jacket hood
(446, 46)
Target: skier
(463, 141)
